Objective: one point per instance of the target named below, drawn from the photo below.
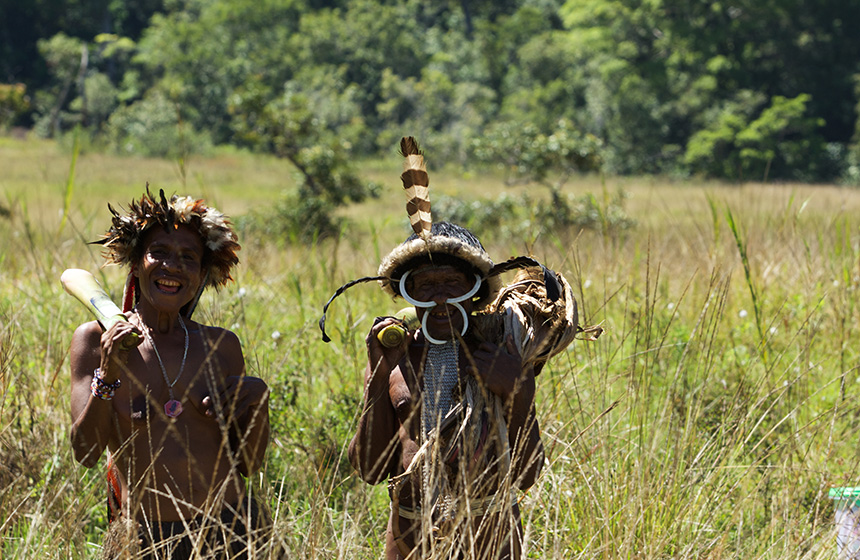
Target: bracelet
(101, 389)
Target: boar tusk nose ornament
(430, 304)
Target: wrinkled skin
(169, 469)
(392, 403)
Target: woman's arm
(244, 402)
(92, 416)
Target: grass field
(731, 322)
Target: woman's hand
(114, 349)
(239, 395)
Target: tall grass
(707, 422)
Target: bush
(529, 155)
(13, 103)
(153, 127)
(101, 100)
(748, 141)
(517, 217)
(294, 219)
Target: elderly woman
(182, 422)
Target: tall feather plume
(416, 183)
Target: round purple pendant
(173, 408)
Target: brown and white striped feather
(416, 185)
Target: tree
(291, 128)
(748, 141)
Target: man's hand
(501, 370)
(380, 357)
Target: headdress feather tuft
(446, 243)
(416, 184)
(122, 242)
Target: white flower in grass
(670, 306)
(772, 330)
(276, 335)
(742, 313)
(586, 285)
(234, 326)
(241, 292)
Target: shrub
(153, 127)
(529, 155)
(13, 103)
(523, 216)
(293, 219)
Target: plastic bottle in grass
(847, 502)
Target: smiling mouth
(168, 286)
(442, 315)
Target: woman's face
(171, 270)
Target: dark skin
(388, 432)
(170, 469)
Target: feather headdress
(123, 242)
(416, 184)
(440, 243)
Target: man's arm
(504, 374)
(92, 416)
(375, 444)
(527, 453)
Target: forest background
(738, 89)
(689, 166)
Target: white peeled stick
(86, 289)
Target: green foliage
(13, 103)
(200, 52)
(439, 111)
(780, 140)
(98, 101)
(657, 84)
(292, 130)
(527, 154)
(66, 58)
(154, 126)
(365, 40)
(526, 217)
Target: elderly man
(449, 411)
(182, 422)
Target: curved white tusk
(428, 304)
(434, 340)
(410, 299)
(470, 293)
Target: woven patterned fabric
(440, 377)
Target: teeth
(172, 283)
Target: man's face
(439, 284)
(171, 270)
